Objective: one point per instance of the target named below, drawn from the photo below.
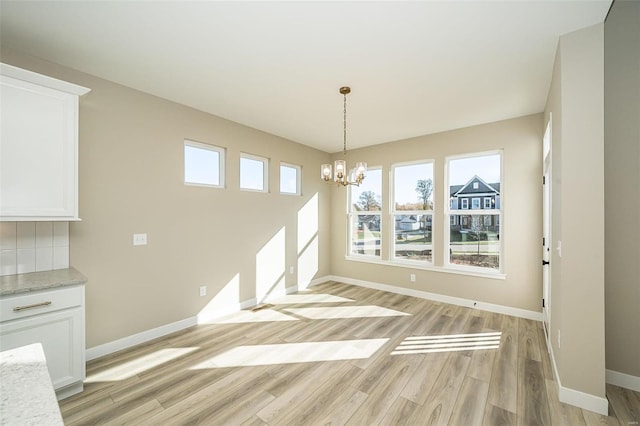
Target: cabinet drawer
(40, 302)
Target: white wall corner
(583, 400)
(623, 380)
(577, 398)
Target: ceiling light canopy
(340, 175)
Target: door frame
(546, 229)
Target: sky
(406, 177)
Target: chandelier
(340, 176)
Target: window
(254, 173)
(464, 203)
(412, 209)
(289, 179)
(365, 208)
(203, 164)
(475, 243)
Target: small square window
(203, 164)
(475, 185)
(289, 179)
(254, 173)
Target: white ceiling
(414, 67)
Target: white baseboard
(623, 380)
(276, 294)
(136, 339)
(577, 398)
(220, 311)
(583, 400)
(507, 310)
(570, 396)
(163, 330)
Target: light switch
(139, 239)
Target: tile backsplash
(33, 246)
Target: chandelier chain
(344, 127)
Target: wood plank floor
(339, 354)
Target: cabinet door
(38, 149)
(61, 336)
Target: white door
(546, 230)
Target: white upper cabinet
(38, 146)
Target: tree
(478, 230)
(424, 188)
(369, 201)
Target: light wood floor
(340, 354)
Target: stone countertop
(27, 393)
(34, 281)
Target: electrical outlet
(559, 248)
(139, 239)
(412, 277)
(203, 290)
(558, 339)
(291, 269)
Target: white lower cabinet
(54, 318)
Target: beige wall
(521, 142)
(622, 186)
(131, 181)
(577, 297)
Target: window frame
(351, 214)
(298, 170)
(475, 200)
(265, 172)
(487, 202)
(221, 163)
(496, 211)
(393, 212)
(464, 203)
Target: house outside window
(474, 237)
(411, 211)
(365, 215)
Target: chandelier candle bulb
(326, 172)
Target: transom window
(289, 179)
(203, 164)
(254, 173)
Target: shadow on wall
(270, 266)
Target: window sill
(428, 267)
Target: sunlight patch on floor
(309, 298)
(247, 316)
(335, 312)
(138, 365)
(448, 343)
(291, 353)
